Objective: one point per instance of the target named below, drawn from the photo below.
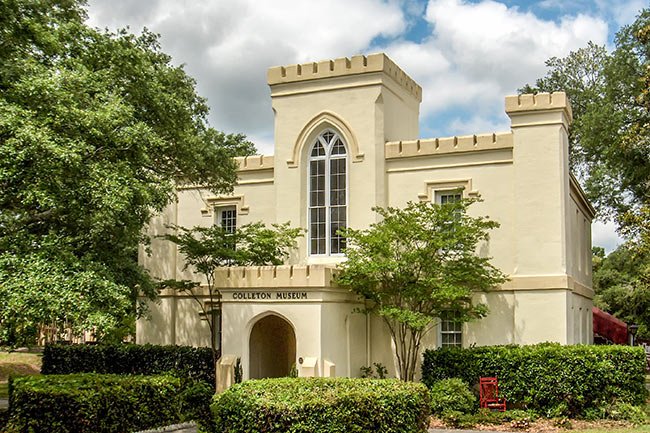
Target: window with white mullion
(327, 194)
(451, 330)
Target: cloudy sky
(466, 54)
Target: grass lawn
(18, 363)
(640, 429)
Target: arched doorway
(272, 349)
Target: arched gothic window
(328, 195)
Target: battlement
(276, 276)
(254, 162)
(540, 101)
(440, 146)
(341, 67)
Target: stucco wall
(522, 175)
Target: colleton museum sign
(276, 295)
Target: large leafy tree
(205, 249)
(96, 129)
(416, 265)
(610, 135)
(622, 285)
(610, 148)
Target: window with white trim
(227, 218)
(448, 196)
(451, 330)
(328, 194)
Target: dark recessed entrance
(272, 348)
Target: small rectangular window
(451, 330)
(227, 218)
(444, 197)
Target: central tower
(332, 119)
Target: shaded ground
(551, 426)
(19, 363)
(15, 363)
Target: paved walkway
(4, 404)
(185, 429)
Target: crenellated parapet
(541, 101)
(342, 67)
(447, 145)
(254, 162)
(275, 276)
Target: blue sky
(466, 54)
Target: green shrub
(621, 411)
(451, 395)
(194, 405)
(83, 403)
(194, 363)
(552, 379)
(490, 417)
(321, 405)
(458, 420)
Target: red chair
(489, 392)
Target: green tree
(205, 249)
(610, 149)
(622, 279)
(96, 129)
(417, 264)
(610, 135)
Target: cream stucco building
(347, 139)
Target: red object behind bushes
(609, 327)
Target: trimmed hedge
(321, 405)
(194, 363)
(81, 403)
(552, 379)
(451, 395)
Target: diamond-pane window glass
(327, 194)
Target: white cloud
(228, 45)
(476, 53)
(624, 12)
(476, 124)
(479, 52)
(603, 234)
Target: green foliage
(609, 136)
(239, 371)
(549, 378)
(207, 248)
(458, 420)
(59, 289)
(194, 405)
(319, 405)
(622, 285)
(416, 264)
(518, 419)
(194, 363)
(96, 129)
(451, 395)
(379, 371)
(82, 403)
(622, 411)
(610, 148)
